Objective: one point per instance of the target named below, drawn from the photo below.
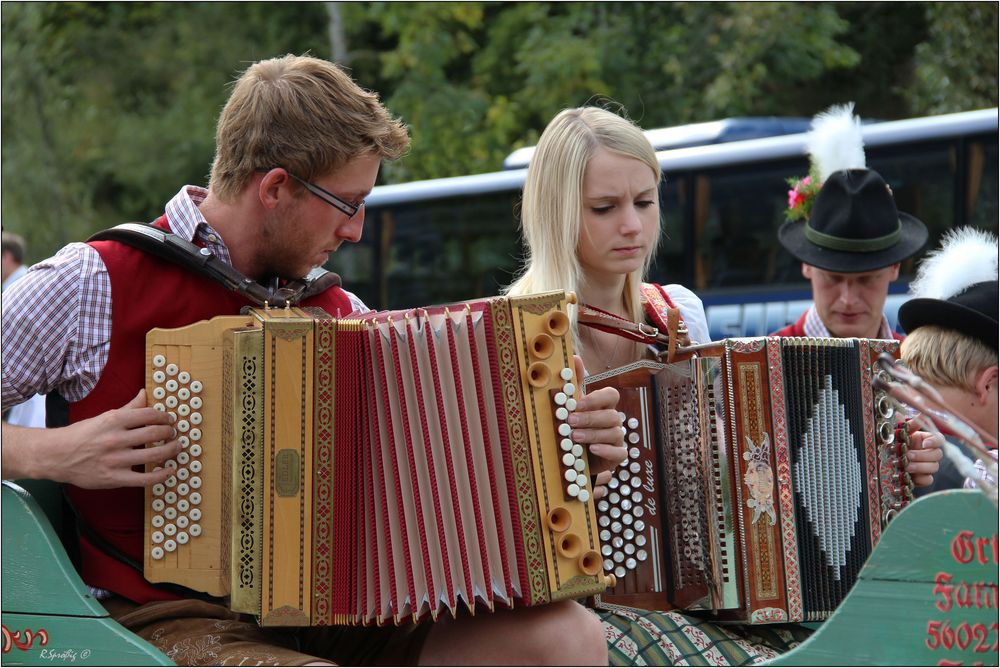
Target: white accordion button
(185, 441)
(560, 398)
(630, 550)
(196, 466)
(581, 480)
(183, 394)
(171, 482)
(171, 385)
(182, 538)
(158, 505)
(634, 467)
(183, 410)
(577, 450)
(641, 555)
(159, 360)
(158, 489)
(170, 546)
(640, 540)
(156, 553)
(604, 520)
(196, 386)
(633, 438)
(624, 431)
(606, 550)
(195, 530)
(182, 425)
(614, 498)
(182, 474)
(170, 530)
(182, 490)
(636, 496)
(195, 482)
(159, 376)
(623, 475)
(616, 527)
(630, 563)
(613, 483)
(618, 557)
(626, 519)
(566, 373)
(633, 423)
(170, 497)
(183, 504)
(617, 542)
(170, 464)
(196, 402)
(633, 453)
(640, 526)
(579, 465)
(156, 537)
(184, 377)
(170, 514)
(584, 496)
(569, 389)
(160, 407)
(196, 418)
(602, 506)
(638, 511)
(195, 436)
(171, 402)
(625, 490)
(615, 513)
(171, 369)
(562, 413)
(570, 475)
(195, 513)
(566, 445)
(157, 521)
(182, 522)
(573, 489)
(605, 535)
(159, 393)
(183, 457)
(195, 500)
(568, 459)
(565, 429)
(608, 565)
(621, 417)
(626, 505)
(571, 405)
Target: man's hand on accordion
(97, 453)
(924, 455)
(597, 425)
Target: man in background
(32, 412)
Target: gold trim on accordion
(376, 468)
(761, 473)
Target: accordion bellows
(760, 476)
(378, 468)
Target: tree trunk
(338, 43)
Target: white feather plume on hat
(967, 256)
(835, 141)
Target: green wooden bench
(926, 597)
(48, 615)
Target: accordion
(760, 475)
(376, 468)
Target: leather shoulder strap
(170, 247)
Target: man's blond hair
(946, 357)
(303, 114)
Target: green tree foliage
(109, 107)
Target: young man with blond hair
(298, 148)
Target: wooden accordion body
(760, 475)
(377, 468)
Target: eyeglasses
(338, 203)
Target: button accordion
(376, 468)
(760, 475)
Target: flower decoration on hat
(834, 143)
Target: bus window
(981, 193)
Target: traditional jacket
(147, 292)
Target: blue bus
(723, 200)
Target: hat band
(854, 245)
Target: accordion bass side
(374, 468)
(760, 476)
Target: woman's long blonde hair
(552, 203)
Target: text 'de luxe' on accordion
(382, 467)
(761, 473)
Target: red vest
(147, 292)
(798, 328)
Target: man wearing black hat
(952, 331)
(850, 248)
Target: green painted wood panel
(926, 597)
(34, 640)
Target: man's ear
(986, 381)
(270, 186)
(807, 271)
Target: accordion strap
(170, 247)
(675, 339)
